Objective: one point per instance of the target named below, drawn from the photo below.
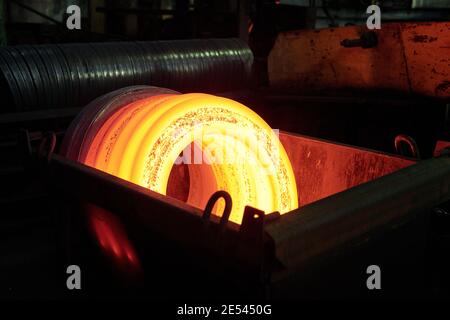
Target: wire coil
(71, 75)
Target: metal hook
(47, 146)
(212, 201)
(412, 145)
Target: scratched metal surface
(410, 58)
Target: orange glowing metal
(143, 140)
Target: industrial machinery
(132, 205)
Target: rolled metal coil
(71, 75)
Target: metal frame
(267, 247)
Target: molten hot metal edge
(143, 139)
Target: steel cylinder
(71, 75)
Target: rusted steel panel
(314, 60)
(409, 57)
(427, 52)
(323, 168)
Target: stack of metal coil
(71, 75)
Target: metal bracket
(367, 40)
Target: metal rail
(326, 225)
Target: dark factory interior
(344, 194)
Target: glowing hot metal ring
(138, 133)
